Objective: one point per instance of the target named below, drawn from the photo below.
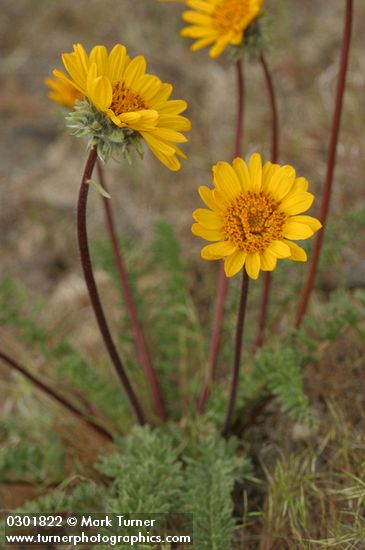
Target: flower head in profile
(132, 103)
(254, 214)
(62, 92)
(219, 23)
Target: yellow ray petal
(201, 5)
(219, 46)
(100, 92)
(148, 87)
(221, 200)
(179, 152)
(75, 70)
(243, 174)
(167, 134)
(116, 63)
(99, 56)
(252, 265)
(154, 137)
(135, 69)
(207, 234)
(173, 107)
(279, 249)
(268, 171)
(207, 197)
(281, 182)
(146, 121)
(178, 123)
(170, 161)
(217, 251)
(297, 231)
(300, 184)
(295, 203)
(226, 180)
(82, 56)
(113, 117)
(236, 38)
(234, 263)
(197, 18)
(298, 254)
(313, 223)
(268, 261)
(198, 32)
(207, 218)
(60, 75)
(201, 43)
(255, 170)
(158, 144)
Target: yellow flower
(253, 216)
(219, 22)
(120, 88)
(62, 92)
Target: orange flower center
(126, 101)
(229, 15)
(253, 221)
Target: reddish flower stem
(240, 109)
(222, 285)
(274, 110)
(274, 158)
(54, 395)
(237, 353)
(332, 153)
(141, 346)
(93, 292)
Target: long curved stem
(265, 300)
(54, 395)
(141, 346)
(237, 353)
(240, 109)
(93, 292)
(332, 153)
(222, 285)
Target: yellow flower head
(131, 99)
(219, 22)
(62, 92)
(253, 216)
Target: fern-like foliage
(279, 367)
(13, 298)
(176, 332)
(88, 383)
(84, 496)
(158, 280)
(149, 473)
(210, 476)
(145, 472)
(30, 451)
(133, 259)
(284, 374)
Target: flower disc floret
(253, 221)
(253, 216)
(130, 98)
(219, 23)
